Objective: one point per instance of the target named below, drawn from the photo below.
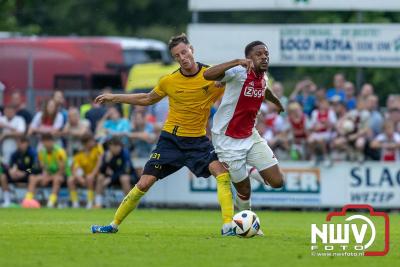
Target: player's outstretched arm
(141, 99)
(217, 72)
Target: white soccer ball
(246, 224)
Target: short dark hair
(116, 141)
(86, 138)
(250, 46)
(175, 40)
(23, 139)
(47, 137)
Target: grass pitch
(166, 238)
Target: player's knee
(278, 182)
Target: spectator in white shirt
(11, 126)
(388, 142)
(74, 130)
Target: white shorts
(320, 136)
(236, 154)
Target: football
(246, 224)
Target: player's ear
(191, 49)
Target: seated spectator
(112, 124)
(85, 167)
(388, 142)
(49, 120)
(20, 106)
(298, 131)
(352, 132)
(11, 127)
(74, 130)
(350, 99)
(376, 118)
(323, 120)
(23, 165)
(338, 88)
(276, 129)
(304, 93)
(278, 90)
(54, 169)
(116, 168)
(142, 136)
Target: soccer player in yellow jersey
(183, 141)
(85, 167)
(53, 162)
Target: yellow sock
(73, 195)
(90, 195)
(129, 203)
(29, 195)
(53, 199)
(225, 196)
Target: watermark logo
(351, 234)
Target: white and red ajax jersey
(243, 96)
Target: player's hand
(219, 84)
(281, 109)
(247, 63)
(104, 98)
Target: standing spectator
(376, 118)
(11, 126)
(338, 87)
(323, 120)
(393, 111)
(116, 169)
(94, 114)
(388, 142)
(55, 169)
(59, 98)
(112, 124)
(278, 90)
(304, 93)
(20, 106)
(350, 99)
(366, 90)
(49, 120)
(23, 165)
(85, 168)
(74, 130)
(142, 135)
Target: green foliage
(160, 19)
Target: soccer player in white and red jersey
(235, 139)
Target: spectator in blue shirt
(338, 88)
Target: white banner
(372, 183)
(257, 5)
(363, 45)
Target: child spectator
(299, 131)
(388, 142)
(85, 167)
(116, 168)
(54, 166)
(323, 120)
(22, 166)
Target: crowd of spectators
(334, 124)
(94, 145)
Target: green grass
(166, 238)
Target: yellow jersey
(51, 161)
(190, 101)
(88, 161)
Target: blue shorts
(173, 152)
